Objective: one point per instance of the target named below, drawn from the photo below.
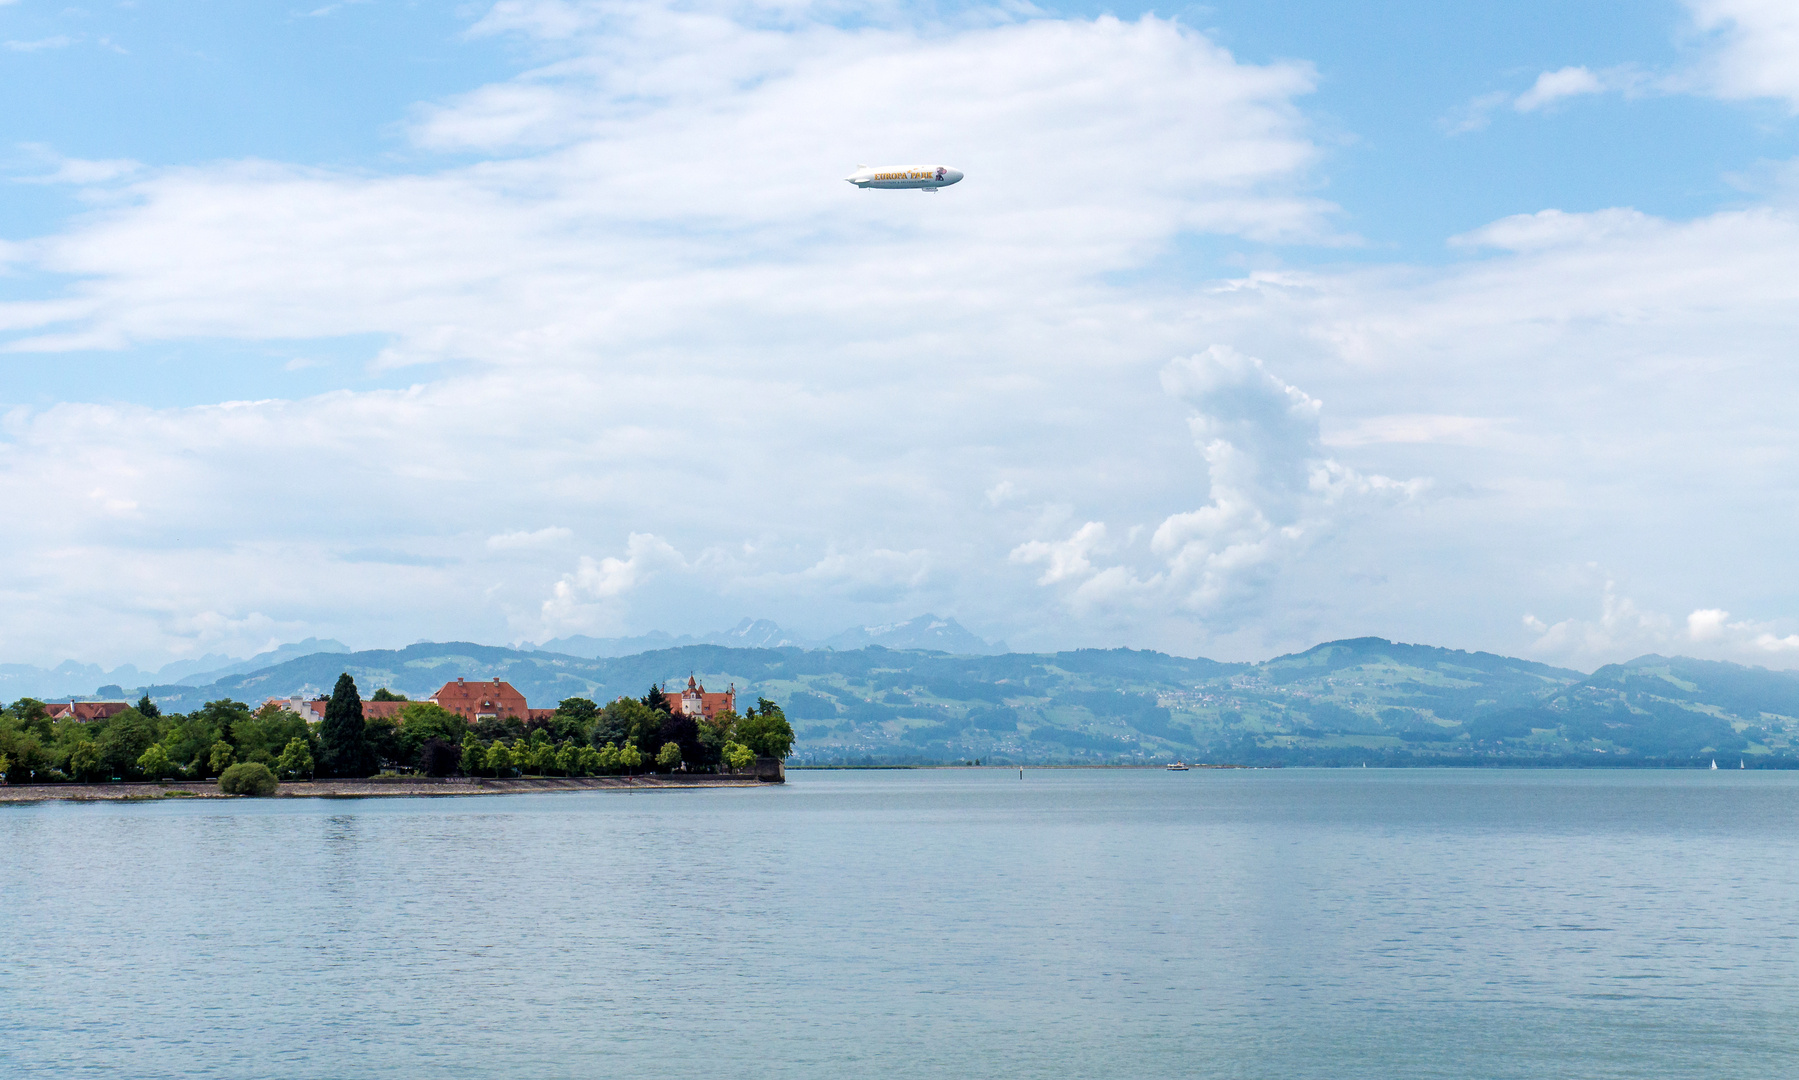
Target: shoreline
(397, 787)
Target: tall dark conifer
(343, 737)
(656, 699)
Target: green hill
(1343, 702)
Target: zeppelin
(924, 178)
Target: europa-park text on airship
(923, 177)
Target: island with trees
(252, 751)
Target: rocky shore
(381, 787)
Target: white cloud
(584, 599)
(57, 42)
(1752, 50)
(1063, 560)
(1741, 50)
(1550, 89)
(1271, 490)
(1417, 428)
(1624, 630)
(1547, 229)
(545, 537)
(1707, 624)
(1553, 86)
(79, 171)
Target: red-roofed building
(86, 711)
(693, 700)
(494, 700)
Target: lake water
(1129, 924)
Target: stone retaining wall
(391, 786)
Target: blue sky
(1254, 324)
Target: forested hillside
(1339, 703)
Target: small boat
(1175, 766)
(1714, 764)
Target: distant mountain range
(1364, 700)
(71, 679)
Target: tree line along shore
(249, 751)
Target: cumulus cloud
(1063, 560)
(1713, 626)
(584, 598)
(1624, 630)
(1272, 488)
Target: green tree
(148, 707)
(630, 721)
(382, 734)
(154, 762)
(499, 759)
(657, 700)
(221, 758)
(225, 716)
(739, 756)
(264, 736)
(384, 694)
(5, 767)
(669, 756)
(248, 778)
(422, 721)
(86, 763)
(188, 740)
(32, 716)
(709, 740)
(574, 718)
(474, 757)
(295, 762)
(123, 740)
(24, 752)
(343, 736)
(630, 758)
(765, 730)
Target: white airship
(923, 177)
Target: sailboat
(1714, 764)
